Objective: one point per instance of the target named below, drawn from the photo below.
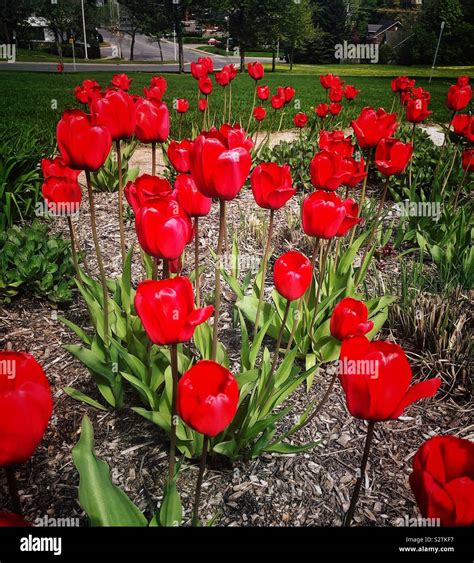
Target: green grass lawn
(38, 99)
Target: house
(38, 31)
(383, 32)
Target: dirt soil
(274, 490)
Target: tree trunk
(242, 57)
(161, 50)
(273, 59)
(132, 44)
(292, 54)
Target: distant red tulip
(163, 228)
(202, 104)
(207, 62)
(272, 185)
(322, 110)
(328, 170)
(468, 160)
(205, 85)
(300, 119)
(460, 122)
(255, 70)
(336, 141)
(83, 146)
(376, 379)
(208, 396)
(350, 318)
(323, 214)
(167, 311)
(336, 94)
(190, 198)
(60, 68)
(25, 406)
(420, 92)
(373, 125)
(146, 188)
(56, 167)
(231, 70)
(392, 156)
(289, 94)
(178, 153)
(351, 92)
(443, 480)
(463, 80)
(277, 101)
(259, 113)
(263, 92)
(181, 105)
(199, 71)
(159, 82)
(115, 110)
(335, 108)
(121, 81)
(417, 110)
(458, 97)
(292, 275)
(152, 121)
(87, 92)
(222, 78)
(329, 81)
(63, 196)
(402, 84)
(11, 520)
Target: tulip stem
(230, 102)
(166, 269)
(363, 465)
(74, 251)
(321, 403)
(13, 490)
(448, 175)
(196, 262)
(322, 274)
(217, 301)
(153, 158)
(276, 354)
(202, 468)
(461, 184)
(120, 200)
(410, 172)
(264, 269)
(253, 104)
(100, 262)
(374, 230)
(174, 415)
(224, 113)
(362, 196)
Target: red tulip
(207, 63)
(458, 97)
(292, 275)
(178, 153)
(263, 92)
(259, 113)
(83, 146)
(231, 70)
(219, 166)
(417, 110)
(420, 92)
(11, 520)
(336, 141)
(56, 168)
(152, 121)
(198, 71)
(190, 198)
(208, 396)
(392, 156)
(277, 101)
(87, 92)
(272, 185)
(60, 68)
(468, 160)
(463, 125)
(159, 82)
(289, 92)
(300, 119)
(372, 125)
(323, 214)
(443, 480)
(376, 379)
(154, 94)
(351, 218)
(63, 196)
(322, 110)
(202, 104)
(222, 78)
(181, 105)
(402, 84)
(256, 70)
(329, 81)
(356, 171)
(25, 406)
(116, 111)
(335, 108)
(166, 309)
(205, 85)
(351, 92)
(328, 170)
(336, 94)
(350, 318)
(121, 81)
(163, 228)
(146, 188)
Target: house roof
(382, 27)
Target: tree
(270, 26)
(12, 14)
(299, 27)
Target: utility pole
(84, 27)
(443, 23)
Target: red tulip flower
(350, 318)
(323, 214)
(198, 70)
(463, 80)
(356, 171)
(417, 110)
(376, 379)
(350, 219)
(373, 125)
(351, 92)
(322, 110)
(272, 185)
(463, 125)
(208, 396)
(336, 141)
(181, 105)
(190, 198)
(277, 101)
(256, 71)
(443, 480)
(329, 81)
(87, 92)
(154, 94)
(458, 97)
(121, 81)
(207, 63)
(292, 275)
(163, 228)
(219, 166)
(116, 111)
(178, 153)
(25, 406)
(259, 113)
(328, 170)
(223, 78)
(467, 160)
(205, 85)
(56, 168)
(402, 84)
(335, 108)
(289, 92)
(152, 121)
(300, 120)
(60, 68)
(202, 104)
(159, 82)
(166, 309)
(146, 188)
(11, 520)
(336, 94)
(231, 70)
(392, 156)
(83, 146)
(63, 196)
(420, 92)
(263, 92)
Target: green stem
(276, 354)
(13, 490)
(362, 195)
(410, 173)
(202, 468)
(174, 412)
(74, 251)
(217, 301)
(196, 262)
(322, 274)
(120, 200)
(266, 256)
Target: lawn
(41, 98)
